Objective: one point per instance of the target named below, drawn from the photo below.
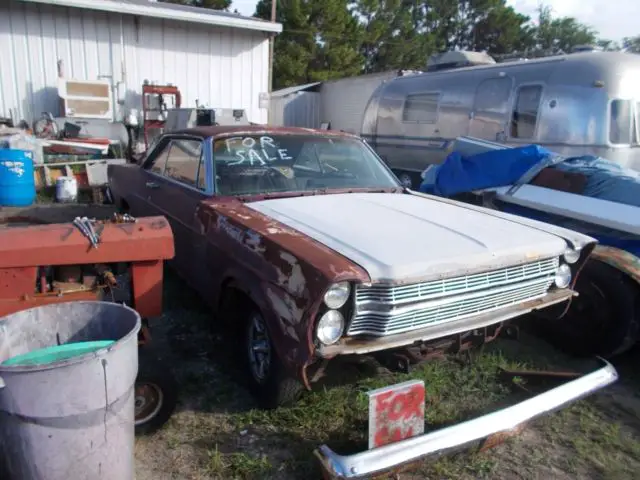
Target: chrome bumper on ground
(510, 419)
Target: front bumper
(508, 420)
(356, 345)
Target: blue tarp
(500, 168)
(457, 174)
(490, 169)
(606, 180)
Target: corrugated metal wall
(300, 109)
(226, 68)
(343, 101)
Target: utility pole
(272, 40)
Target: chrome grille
(384, 310)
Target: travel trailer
(575, 104)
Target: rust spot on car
(290, 269)
(292, 279)
(278, 238)
(253, 241)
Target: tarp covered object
(499, 168)
(606, 180)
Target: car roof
(223, 130)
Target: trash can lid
(57, 353)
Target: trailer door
(490, 114)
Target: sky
(613, 19)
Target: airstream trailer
(575, 104)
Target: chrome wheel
(148, 402)
(259, 348)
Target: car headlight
(330, 327)
(563, 276)
(337, 295)
(571, 256)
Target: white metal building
(218, 58)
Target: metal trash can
(69, 416)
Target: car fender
(620, 259)
(287, 317)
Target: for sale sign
(396, 413)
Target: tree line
(328, 39)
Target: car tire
(267, 376)
(156, 393)
(603, 319)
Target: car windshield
(262, 164)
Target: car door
(490, 114)
(176, 182)
(138, 197)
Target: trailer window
(421, 107)
(525, 112)
(620, 122)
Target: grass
(237, 465)
(218, 433)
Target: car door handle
(152, 185)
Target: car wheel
(267, 376)
(155, 393)
(603, 319)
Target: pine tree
(213, 4)
(319, 41)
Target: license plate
(396, 413)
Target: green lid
(57, 353)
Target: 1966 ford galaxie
(307, 241)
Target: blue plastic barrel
(17, 186)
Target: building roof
(283, 92)
(170, 11)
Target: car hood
(404, 238)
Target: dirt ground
(216, 432)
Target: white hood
(405, 238)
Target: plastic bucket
(66, 189)
(68, 412)
(17, 186)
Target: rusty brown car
(306, 240)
